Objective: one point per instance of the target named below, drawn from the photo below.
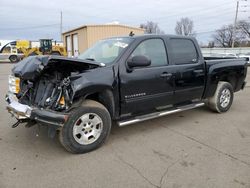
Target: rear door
(146, 88)
(190, 69)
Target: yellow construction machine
(46, 48)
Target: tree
(151, 28)
(185, 27)
(224, 36)
(210, 44)
(244, 27)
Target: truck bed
(218, 58)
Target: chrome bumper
(22, 112)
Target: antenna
(131, 34)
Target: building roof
(103, 25)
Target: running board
(159, 114)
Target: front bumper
(25, 112)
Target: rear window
(182, 51)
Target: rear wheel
(87, 128)
(222, 99)
(13, 58)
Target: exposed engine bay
(45, 81)
(50, 91)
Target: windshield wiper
(91, 59)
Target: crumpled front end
(40, 88)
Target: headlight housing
(14, 84)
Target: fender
(225, 70)
(107, 98)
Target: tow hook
(29, 123)
(16, 124)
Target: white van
(9, 52)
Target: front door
(145, 88)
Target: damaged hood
(31, 67)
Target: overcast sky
(33, 19)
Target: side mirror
(138, 61)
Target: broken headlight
(14, 84)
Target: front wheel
(87, 128)
(222, 99)
(13, 58)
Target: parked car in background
(246, 56)
(9, 52)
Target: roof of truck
(155, 35)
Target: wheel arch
(232, 79)
(106, 98)
(214, 79)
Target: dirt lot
(195, 148)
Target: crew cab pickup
(124, 80)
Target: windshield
(106, 51)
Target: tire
(89, 133)
(222, 99)
(56, 53)
(13, 58)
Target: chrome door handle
(165, 74)
(198, 72)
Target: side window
(154, 49)
(182, 51)
(7, 49)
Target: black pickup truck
(124, 80)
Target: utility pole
(235, 23)
(61, 27)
